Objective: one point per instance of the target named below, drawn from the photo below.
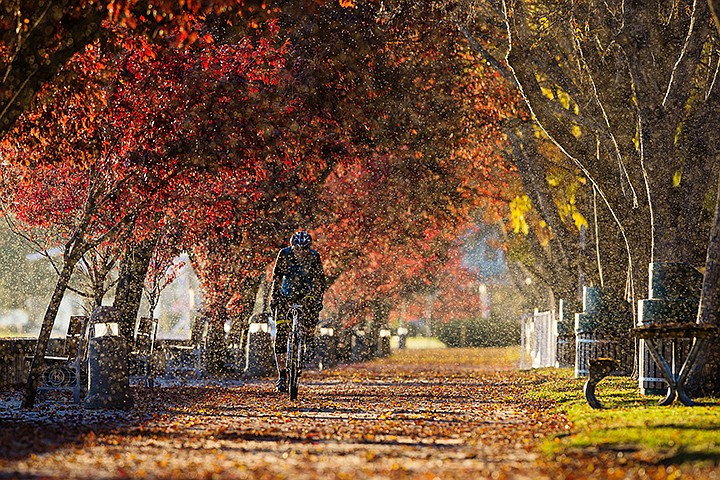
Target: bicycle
(295, 350)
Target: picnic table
(673, 371)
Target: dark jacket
(294, 280)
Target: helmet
(301, 239)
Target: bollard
(602, 331)
(384, 342)
(326, 348)
(108, 377)
(402, 337)
(359, 351)
(259, 358)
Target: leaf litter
(421, 414)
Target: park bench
(142, 351)
(184, 356)
(65, 371)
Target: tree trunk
(239, 322)
(217, 352)
(129, 290)
(705, 376)
(98, 294)
(38, 361)
(660, 109)
(707, 371)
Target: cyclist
(298, 278)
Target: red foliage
(395, 218)
(183, 161)
(225, 148)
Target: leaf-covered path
(417, 414)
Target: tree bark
(715, 10)
(217, 351)
(131, 282)
(705, 376)
(660, 110)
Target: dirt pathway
(418, 414)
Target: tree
(627, 92)
(227, 147)
(70, 206)
(595, 93)
(404, 102)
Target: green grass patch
(6, 334)
(628, 421)
(424, 343)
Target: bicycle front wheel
(293, 364)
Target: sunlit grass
(628, 421)
(424, 343)
(491, 359)
(14, 334)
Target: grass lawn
(424, 343)
(629, 421)
(418, 342)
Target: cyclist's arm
(278, 271)
(320, 281)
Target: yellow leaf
(564, 99)
(580, 220)
(677, 178)
(553, 179)
(547, 92)
(518, 207)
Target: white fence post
(538, 340)
(526, 335)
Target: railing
(13, 365)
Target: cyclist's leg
(310, 324)
(282, 329)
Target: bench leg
(598, 369)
